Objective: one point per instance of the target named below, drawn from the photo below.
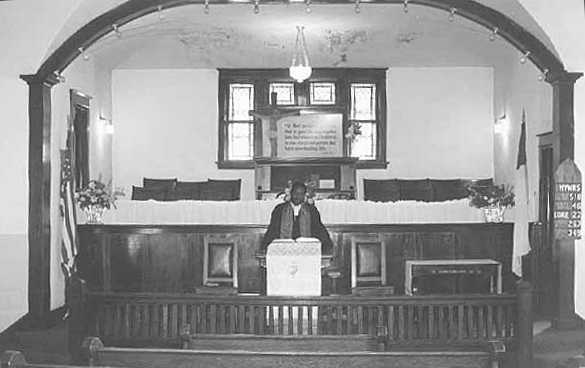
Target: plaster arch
(540, 53)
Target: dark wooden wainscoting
(169, 258)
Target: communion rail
(130, 319)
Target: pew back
(153, 358)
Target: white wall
(440, 124)
(26, 30)
(166, 126)
(519, 89)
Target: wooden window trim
(261, 78)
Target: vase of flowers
(95, 198)
(493, 200)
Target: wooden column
(524, 352)
(39, 210)
(563, 138)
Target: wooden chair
(368, 262)
(220, 262)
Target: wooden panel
(165, 259)
(169, 258)
(126, 261)
(249, 274)
(399, 248)
(438, 245)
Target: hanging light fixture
(300, 68)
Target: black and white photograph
(292, 183)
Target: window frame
(262, 78)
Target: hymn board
(303, 145)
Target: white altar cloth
(258, 212)
(293, 268)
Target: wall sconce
(108, 126)
(501, 126)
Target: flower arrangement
(95, 197)
(309, 196)
(353, 131)
(96, 194)
(491, 196)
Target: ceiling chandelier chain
(300, 68)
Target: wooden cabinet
(333, 176)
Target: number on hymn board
(574, 233)
(575, 215)
(574, 196)
(574, 223)
(576, 205)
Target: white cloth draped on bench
(258, 212)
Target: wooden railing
(160, 317)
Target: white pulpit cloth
(293, 268)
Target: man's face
(298, 195)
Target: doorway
(80, 118)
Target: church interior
(194, 117)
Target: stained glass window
(363, 101)
(285, 93)
(363, 112)
(240, 124)
(240, 141)
(241, 102)
(364, 146)
(322, 93)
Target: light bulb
(161, 15)
(117, 31)
(524, 57)
(493, 35)
(452, 14)
(406, 6)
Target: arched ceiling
(232, 36)
(90, 9)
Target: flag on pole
(69, 248)
(521, 240)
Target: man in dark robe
(297, 218)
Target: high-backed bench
(222, 356)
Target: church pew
(191, 358)
(411, 325)
(575, 362)
(15, 359)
